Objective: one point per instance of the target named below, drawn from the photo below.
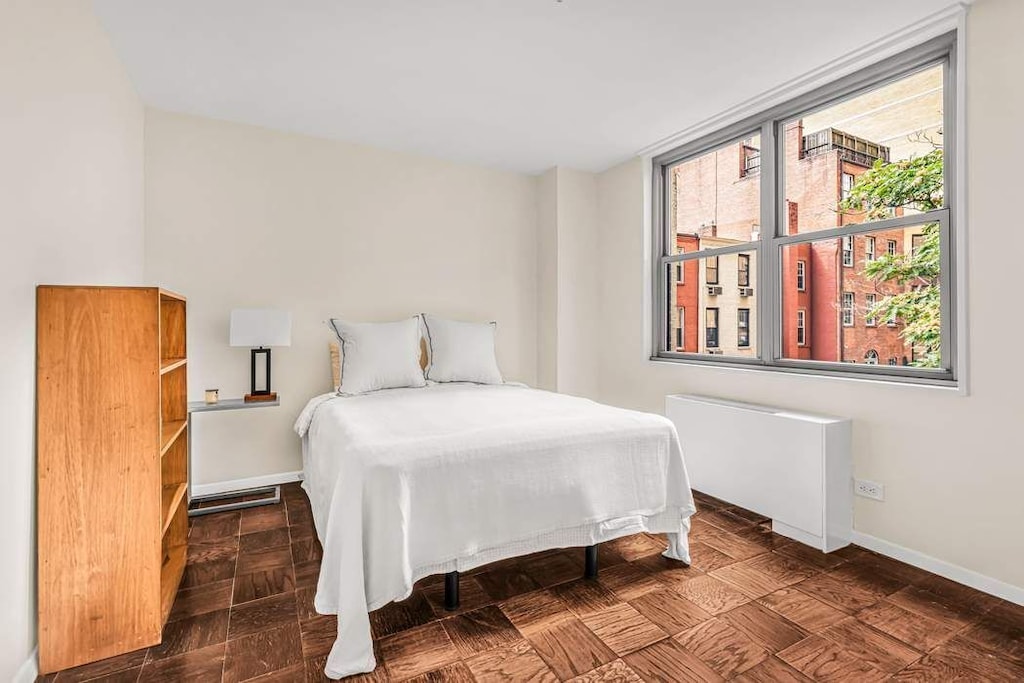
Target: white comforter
(405, 483)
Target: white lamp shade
(260, 327)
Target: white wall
(242, 216)
(71, 135)
(952, 465)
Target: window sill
(943, 385)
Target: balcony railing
(850, 147)
(751, 160)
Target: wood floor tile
(586, 596)
(732, 545)
(215, 526)
(768, 629)
(262, 614)
(868, 579)
(126, 676)
(318, 635)
(926, 603)
(1001, 630)
(748, 580)
(960, 660)
(104, 667)
(306, 550)
(207, 598)
(471, 596)
(784, 569)
(263, 559)
(264, 583)
(630, 580)
(666, 661)
(262, 652)
(263, 518)
(451, 673)
(920, 632)
(536, 611)
(706, 558)
(417, 651)
(396, 617)
(208, 571)
(480, 630)
(859, 639)
(304, 606)
(666, 571)
(612, 672)
(707, 501)
(722, 647)
(264, 540)
(636, 546)
(838, 593)
(552, 569)
(623, 629)
(203, 665)
(823, 660)
(515, 662)
(772, 670)
(570, 648)
(725, 521)
(808, 555)
(958, 596)
(217, 549)
(712, 595)
(192, 633)
(307, 573)
(504, 583)
(802, 609)
(289, 674)
(301, 531)
(670, 610)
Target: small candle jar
(212, 395)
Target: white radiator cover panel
(794, 468)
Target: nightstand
(272, 493)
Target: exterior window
(891, 320)
(894, 361)
(818, 220)
(711, 328)
(847, 185)
(711, 270)
(870, 301)
(743, 270)
(681, 328)
(871, 357)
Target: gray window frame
(772, 239)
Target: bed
(407, 483)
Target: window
(743, 327)
(871, 357)
(847, 309)
(711, 328)
(817, 215)
(743, 270)
(848, 251)
(801, 327)
(891, 320)
(681, 328)
(870, 301)
(711, 270)
(846, 185)
(894, 361)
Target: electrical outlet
(869, 489)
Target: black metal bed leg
(451, 591)
(590, 553)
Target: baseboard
(248, 483)
(953, 572)
(30, 669)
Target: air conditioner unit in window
(714, 290)
(746, 291)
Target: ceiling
(521, 85)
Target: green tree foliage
(909, 184)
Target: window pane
(715, 199)
(712, 316)
(844, 164)
(887, 307)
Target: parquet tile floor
(753, 607)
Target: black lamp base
(264, 394)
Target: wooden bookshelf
(112, 468)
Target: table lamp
(260, 328)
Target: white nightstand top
(229, 404)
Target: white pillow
(461, 352)
(379, 355)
